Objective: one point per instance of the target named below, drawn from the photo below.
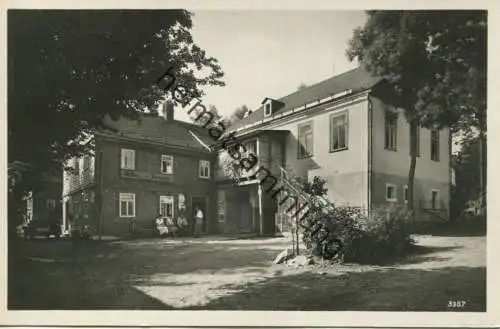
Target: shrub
(329, 233)
(347, 234)
(385, 235)
(314, 187)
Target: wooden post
(261, 212)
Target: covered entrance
(200, 203)
(247, 212)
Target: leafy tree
(316, 187)
(219, 117)
(205, 120)
(435, 62)
(302, 86)
(213, 109)
(68, 70)
(239, 113)
(230, 167)
(467, 174)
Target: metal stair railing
(294, 187)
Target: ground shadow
(452, 229)
(417, 254)
(91, 275)
(382, 290)
(66, 286)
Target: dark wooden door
(200, 202)
(245, 218)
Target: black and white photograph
(197, 159)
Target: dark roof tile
(157, 129)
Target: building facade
(341, 130)
(146, 168)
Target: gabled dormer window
(271, 106)
(267, 109)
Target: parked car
(42, 228)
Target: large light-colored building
(341, 130)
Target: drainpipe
(370, 150)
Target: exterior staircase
(283, 220)
(293, 186)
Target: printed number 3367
(456, 303)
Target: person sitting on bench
(160, 226)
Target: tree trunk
(413, 165)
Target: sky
(270, 53)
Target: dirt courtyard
(226, 274)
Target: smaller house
(147, 167)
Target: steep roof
(356, 80)
(157, 129)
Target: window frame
(246, 145)
(123, 152)
(299, 144)
(164, 158)
(200, 165)
(395, 199)
(437, 141)
(438, 199)
(388, 114)
(127, 197)
(346, 125)
(170, 200)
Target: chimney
(168, 111)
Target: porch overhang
(276, 133)
(268, 132)
(241, 182)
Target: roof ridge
(354, 80)
(322, 81)
(156, 128)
